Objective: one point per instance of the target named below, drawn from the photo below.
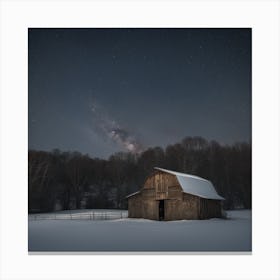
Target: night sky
(100, 91)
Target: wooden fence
(80, 216)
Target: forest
(60, 180)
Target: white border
(17, 16)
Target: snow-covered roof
(194, 185)
(132, 194)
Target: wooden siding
(160, 183)
(135, 206)
(150, 209)
(182, 209)
(175, 192)
(209, 208)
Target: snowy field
(127, 235)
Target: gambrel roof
(194, 185)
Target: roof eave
(221, 198)
(132, 194)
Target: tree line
(71, 180)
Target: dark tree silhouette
(72, 180)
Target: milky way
(109, 127)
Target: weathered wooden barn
(169, 195)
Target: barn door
(161, 210)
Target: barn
(169, 195)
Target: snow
(194, 185)
(132, 194)
(127, 235)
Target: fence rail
(80, 216)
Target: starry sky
(101, 91)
